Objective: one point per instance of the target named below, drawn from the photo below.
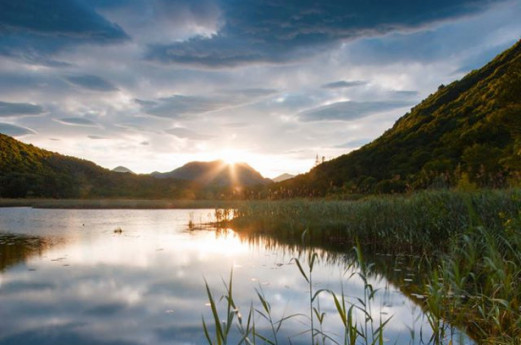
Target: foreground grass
(117, 203)
(262, 326)
(469, 245)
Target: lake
(122, 277)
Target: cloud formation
(34, 30)
(183, 80)
(341, 84)
(349, 110)
(16, 109)
(92, 82)
(264, 31)
(78, 121)
(13, 130)
(178, 106)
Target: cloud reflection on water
(146, 285)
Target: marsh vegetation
(464, 249)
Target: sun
(234, 156)
(231, 156)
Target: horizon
(153, 85)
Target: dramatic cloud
(13, 109)
(33, 30)
(92, 82)
(77, 121)
(14, 131)
(343, 84)
(265, 31)
(144, 83)
(163, 20)
(349, 110)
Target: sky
(154, 84)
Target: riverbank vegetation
(466, 245)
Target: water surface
(67, 277)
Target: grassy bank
(422, 222)
(468, 245)
(117, 203)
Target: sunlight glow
(234, 156)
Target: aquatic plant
(367, 331)
(467, 246)
(419, 223)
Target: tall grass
(466, 244)
(355, 313)
(480, 285)
(421, 223)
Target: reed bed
(467, 245)
(420, 223)
(259, 325)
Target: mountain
(283, 177)
(466, 133)
(122, 169)
(28, 171)
(217, 173)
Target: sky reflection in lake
(67, 278)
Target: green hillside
(466, 133)
(27, 171)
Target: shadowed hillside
(28, 171)
(217, 173)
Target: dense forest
(27, 171)
(467, 134)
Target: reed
(420, 223)
(366, 332)
(467, 245)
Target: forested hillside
(27, 171)
(467, 133)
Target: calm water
(67, 278)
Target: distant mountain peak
(122, 169)
(217, 172)
(283, 177)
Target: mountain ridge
(29, 171)
(217, 172)
(468, 131)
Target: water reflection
(68, 278)
(16, 248)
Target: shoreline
(137, 204)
